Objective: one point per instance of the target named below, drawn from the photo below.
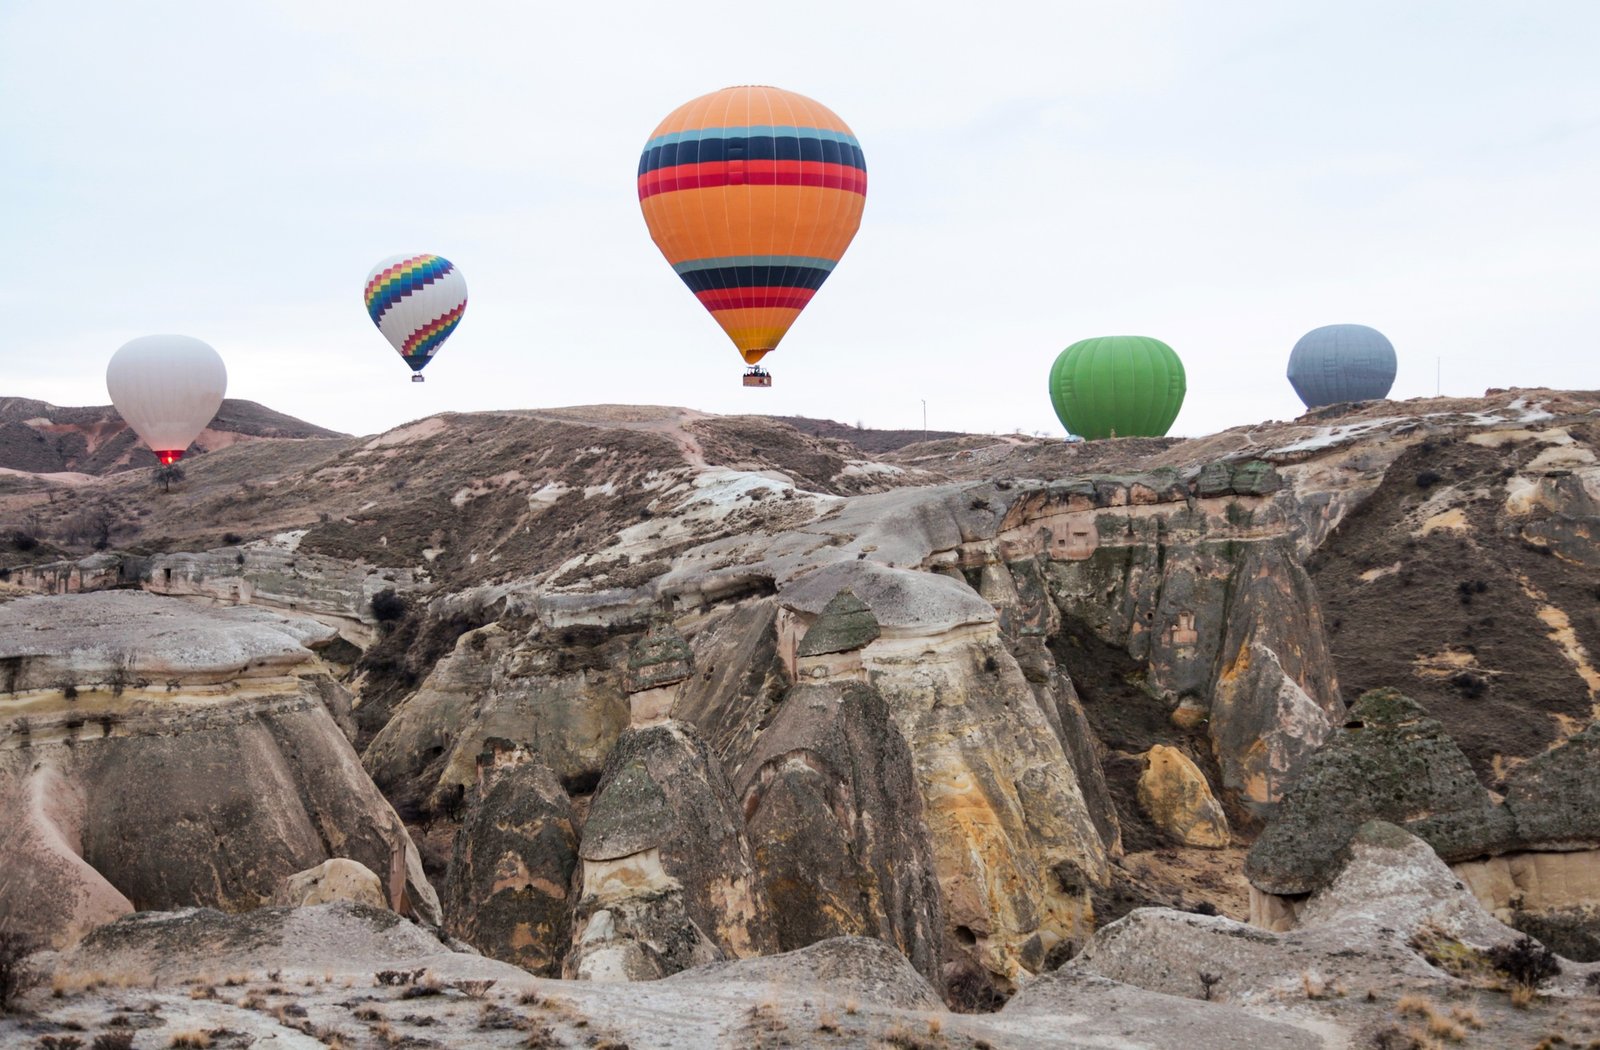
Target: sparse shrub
(1208, 981)
(1525, 961)
(113, 1041)
(24, 541)
(60, 1042)
(902, 1037)
(1428, 478)
(17, 972)
(195, 1038)
(541, 1037)
(473, 989)
(387, 606)
(232, 539)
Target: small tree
(387, 606)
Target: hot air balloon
(1342, 362)
(167, 388)
(753, 194)
(1117, 386)
(416, 301)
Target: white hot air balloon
(416, 301)
(167, 388)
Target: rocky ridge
(1082, 661)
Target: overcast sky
(1220, 175)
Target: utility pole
(1438, 372)
(924, 419)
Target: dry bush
(1523, 995)
(367, 1013)
(827, 1021)
(476, 989)
(195, 1038)
(1467, 1015)
(1525, 961)
(1312, 984)
(112, 1041)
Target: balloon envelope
(753, 194)
(167, 388)
(416, 301)
(1342, 362)
(1117, 386)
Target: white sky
(1219, 174)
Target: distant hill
(865, 439)
(39, 437)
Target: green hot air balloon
(1117, 386)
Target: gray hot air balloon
(1342, 362)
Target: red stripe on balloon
(748, 298)
(753, 173)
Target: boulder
(507, 891)
(335, 879)
(1390, 762)
(1175, 796)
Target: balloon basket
(757, 377)
(418, 378)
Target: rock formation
(163, 755)
(832, 807)
(666, 878)
(744, 688)
(1175, 795)
(508, 889)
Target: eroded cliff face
(164, 755)
(1086, 661)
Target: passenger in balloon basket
(755, 375)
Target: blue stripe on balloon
(725, 261)
(808, 145)
(749, 131)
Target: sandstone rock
(1174, 794)
(1058, 699)
(507, 892)
(835, 819)
(660, 658)
(665, 862)
(1276, 699)
(1393, 763)
(1388, 900)
(561, 699)
(336, 879)
(117, 639)
(1013, 843)
(1255, 477)
(209, 789)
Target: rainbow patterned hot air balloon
(416, 301)
(753, 194)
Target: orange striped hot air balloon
(753, 194)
